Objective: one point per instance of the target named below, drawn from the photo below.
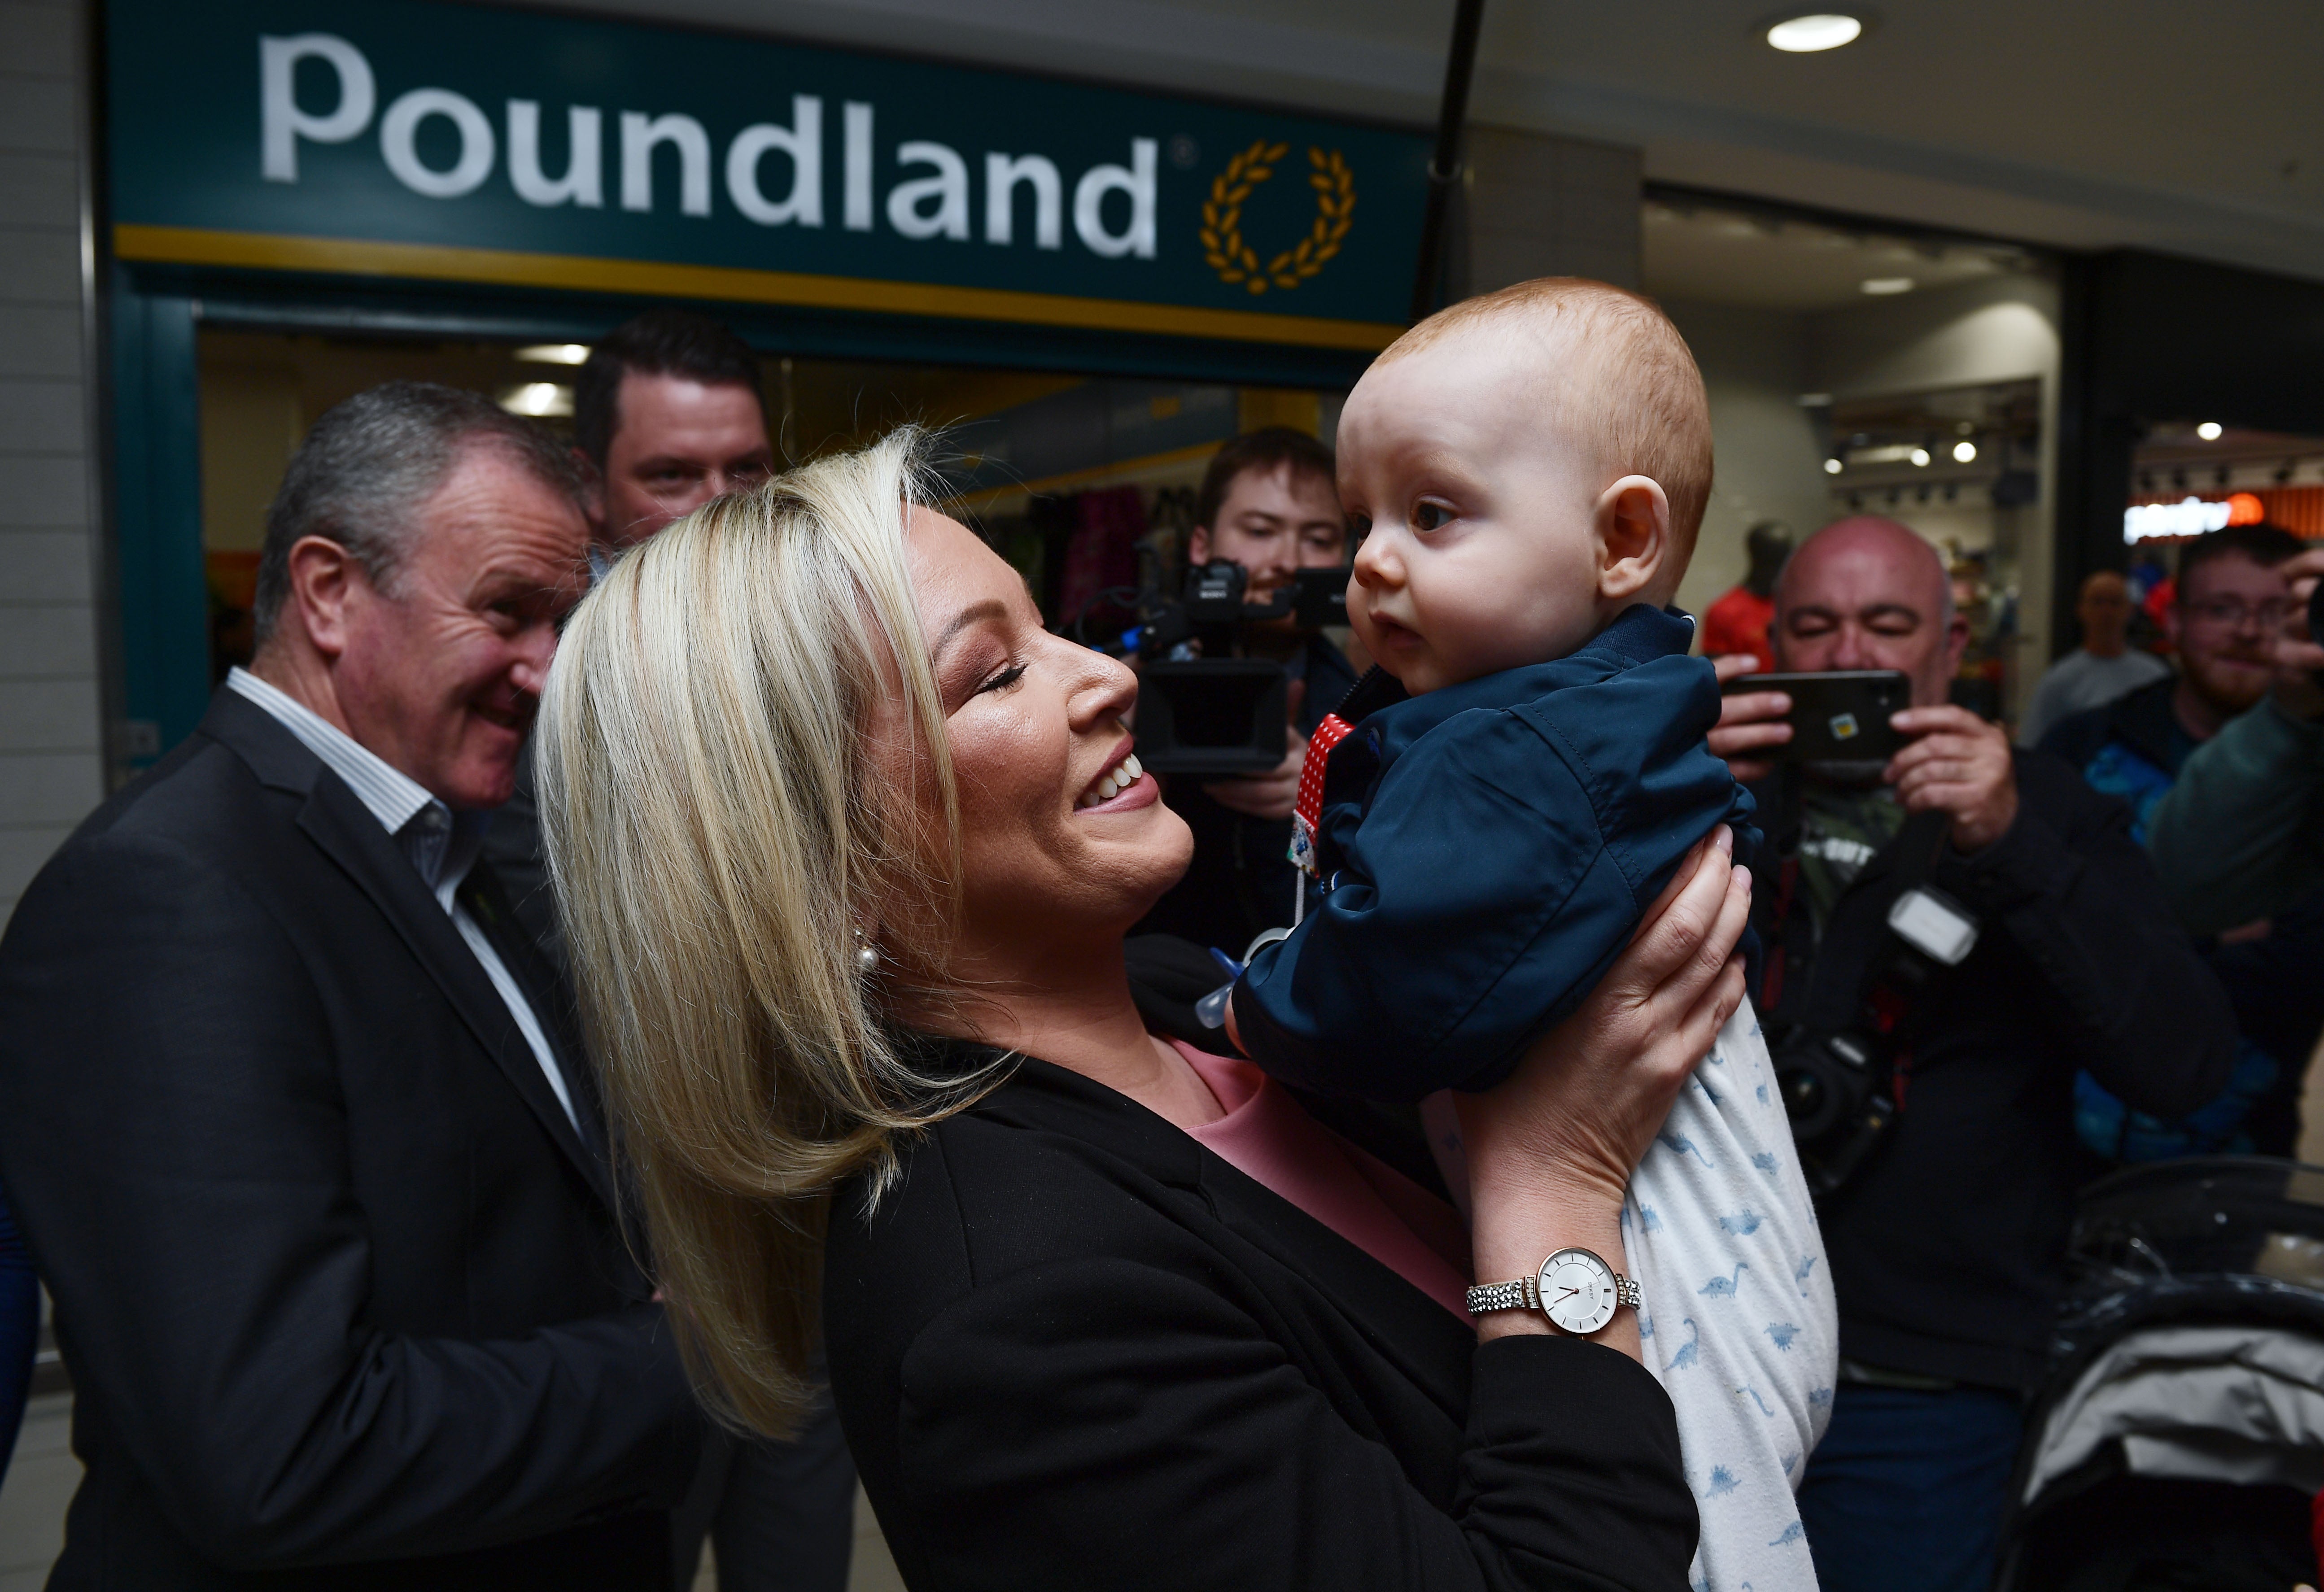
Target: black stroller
(2181, 1440)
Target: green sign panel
(420, 139)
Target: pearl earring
(867, 955)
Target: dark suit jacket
(335, 1280)
(1072, 1348)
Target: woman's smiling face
(1062, 836)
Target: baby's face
(1480, 554)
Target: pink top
(1268, 1137)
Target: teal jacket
(2241, 835)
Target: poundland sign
(413, 138)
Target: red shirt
(1738, 622)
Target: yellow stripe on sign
(1074, 479)
(187, 245)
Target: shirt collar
(440, 843)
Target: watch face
(1577, 1290)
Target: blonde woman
(846, 846)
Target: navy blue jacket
(1489, 847)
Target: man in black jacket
(294, 1118)
(667, 415)
(1270, 501)
(1946, 1245)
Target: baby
(1495, 807)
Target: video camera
(1201, 710)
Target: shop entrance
(1856, 367)
(1082, 477)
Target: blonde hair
(1639, 394)
(721, 834)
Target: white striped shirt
(442, 846)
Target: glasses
(2235, 614)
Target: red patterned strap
(1308, 817)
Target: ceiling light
(1832, 466)
(555, 353)
(1803, 35)
(539, 399)
(1918, 455)
(1963, 452)
(2209, 430)
(1881, 286)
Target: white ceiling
(1739, 254)
(2086, 124)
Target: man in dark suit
(293, 1116)
(667, 415)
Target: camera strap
(1854, 963)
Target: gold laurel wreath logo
(1223, 247)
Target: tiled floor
(43, 1474)
(41, 1482)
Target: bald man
(2102, 668)
(1947, 1244)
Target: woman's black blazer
(1075, 1350)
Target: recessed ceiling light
(1832, 467)
(1880, 286)
(1823, 30)
(555, 353)
(1963, 452)
(538, 398)
(2209, 430)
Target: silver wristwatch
(1576, 1290)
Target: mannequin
(1738, 621)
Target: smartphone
(1841, 717)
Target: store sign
(413, 138)
(2190, 516)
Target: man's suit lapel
(338, 822)
(335, 819)
(552, 1005)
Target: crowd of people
(664, 989)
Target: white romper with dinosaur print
(1739, 1321)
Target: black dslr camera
(1838, 1076)
(1201, 710)
(1840, 1092)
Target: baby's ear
(1634, 539)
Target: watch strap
(1489, 1297)
(1523, 1295)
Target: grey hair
(362, 474)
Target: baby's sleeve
(1498, 870)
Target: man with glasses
(2231, 599)
(2103, 668)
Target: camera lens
(1803, 1094)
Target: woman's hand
(1551, 1149)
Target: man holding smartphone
(1947, 1241)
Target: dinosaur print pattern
(1718, 1222)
